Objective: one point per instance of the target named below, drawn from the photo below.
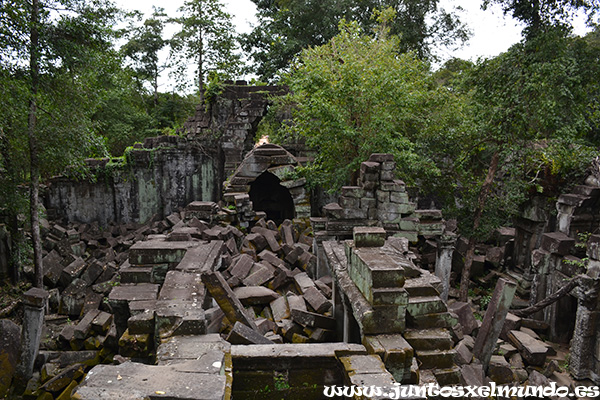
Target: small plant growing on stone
(582, 239)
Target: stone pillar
(585, 345)
(494, 320)
(34, 301)
(443, 262)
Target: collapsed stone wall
(166, 172)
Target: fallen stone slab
(72, 271)
(226, 299)
(242, 266)
(317, 300)
(202, 257)
(179, 317)
(84, 327)
(465, 316)
(185, 286)
(241, 334)
(158, 252)
(259, 275)
(133, 380)
(280, 309)
(296, 302)
(532, 350)
(313, 320)
(303, 282)
(255, 295)
(193, 347)
(499, 370)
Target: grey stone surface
(532, 350)
(10, 344)
(227, 300)
(132, 380)
(494, 320)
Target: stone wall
(168, 172)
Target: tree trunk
(33, 151)
(483, 194)
(553, 298)
(200, 69)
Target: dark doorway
(269, 196)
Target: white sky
(493, 32)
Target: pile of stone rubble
(117, 293)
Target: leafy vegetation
(355, 96)
(286, 28)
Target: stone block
(259, 275)
(158, 252)
(429, 339)
(381, 158)
(186, 380)
(241, 267)
(500, 371)
(425, 305)
(280, 309)
(399, 197)
(369, 236)
(102, 322)
(532, 350)
(393, 186)
(353, 191)
(436, 358)
(72, 271)
(395, 351)
(313, 320)
(141, 323)
(465, 316)
(179, 317)
(84, 326)
(296, 302)
(226, 299)
(72, 299)
(255, 295)
(317, 300)
(557, 242)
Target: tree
(286, 27)
(532, 110)
(356, 95)
(46, 47)
(143, 49)
(207, 37)
(539, 15)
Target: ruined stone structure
(167, 172)
(379, 200)
(266, 177)
(243, 299)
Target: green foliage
(286, 27)
(531, 106)
(541, 15)
(355, 96)
(143, 48)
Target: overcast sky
(493, 32)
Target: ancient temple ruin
(197, 268)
